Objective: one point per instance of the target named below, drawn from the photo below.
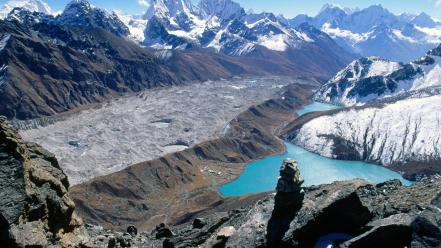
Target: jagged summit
(424, 20)
(82, 14)
(77, 7)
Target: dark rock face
(333, 209)
(394, 231)
(35, 209)
(199, 223)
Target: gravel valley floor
(142, 127)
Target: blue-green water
(261, 175)
(316, 106)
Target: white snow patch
(382, 68)
(399, 34)
(341, 33)
(275, 42)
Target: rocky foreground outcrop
(35, 209)
(383, 215)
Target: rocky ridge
(35, 209)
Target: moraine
(261, 175)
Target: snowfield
(138, 128)
(400, 132)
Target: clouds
(145, 3)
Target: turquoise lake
(261, 175)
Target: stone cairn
(288, 201)
(290, 194)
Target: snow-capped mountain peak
(31, 5)
(328, 7)
(168, 8)
(224, 9)
(77, 7)
(81, 13)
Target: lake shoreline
(332, 170)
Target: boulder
(427, 226)
(162, 231)
(199, 223)
(35, 209)
(132, 230)
(394, 231)
(223, 235)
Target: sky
(289, 8)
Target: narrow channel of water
(261, 175)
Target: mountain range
(375, 31)
(224, 26)
(55, 63)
